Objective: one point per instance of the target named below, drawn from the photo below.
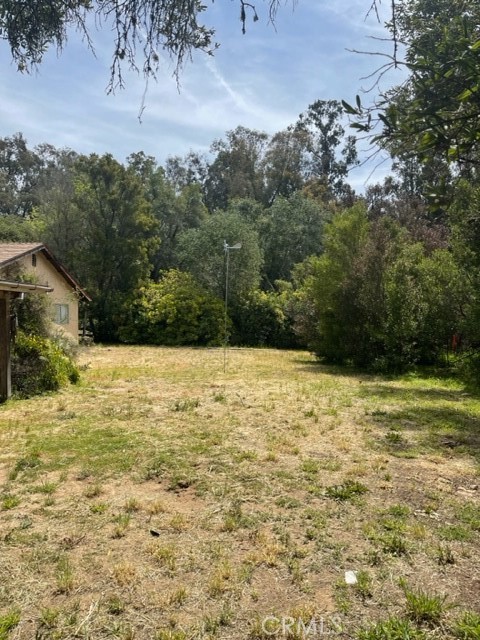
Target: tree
(173, 210)
(201, 252)
(285, 163)
(146, 26)
(237, 170)
(292, 230)
(119, 237)
(330, 153)
(20, 169)
(435, 112)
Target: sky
(261, 80)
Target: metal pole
(225, 341)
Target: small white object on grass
(351, 577)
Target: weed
(8, 621)
(25, 465)
(132, 505)
(164, 555)
(342, 597)
(46, 487)
(422, 607)
(99, 507)
(83, 474)
(455, 532)
(221, 581)
(310, 467)
(468, 626)
(363, 585)
(124, 573)
(178, 522)
(64, 575)
(122, 522)
(115, 605)
(187, 404)
(156, 507)
(469, 514)
(391, 629)
(398, 511)
(394, 544)
(211, 624)
(181, 480)
(245, 455)
(287, 502)
(10, 501)
(171, 634)
(445, 555)
(394, 438)
(93, 491)
(349, 490)
(49, 617)
(178, 597)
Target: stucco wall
(45, 273)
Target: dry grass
(162, 498)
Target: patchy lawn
(163, 499)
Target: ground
(163, 498)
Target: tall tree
(292, 231)
(20, 169)
(435, 112)
(119, 238)
(330, 152)
(173, 211)
(201, 252)
(237, 169)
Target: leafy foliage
(39, 365)
(176, 311)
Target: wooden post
(5, 373)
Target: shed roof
(11, 252)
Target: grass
(177, 501)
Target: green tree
(20, 169)
(328, 314)
(435, 112)
(330, 152)
(292, 230)
(119, 237)
(173, 210)
(237, 169)
(201, 252)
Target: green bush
(175, 311)
(39, 365)
(261, 320)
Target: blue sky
(261, 80)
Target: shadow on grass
(414, 394)
(343, 371)
(445, 430)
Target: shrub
(261, 320)
(175, 311)
(39, 365)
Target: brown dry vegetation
(161, 498)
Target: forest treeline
(384, 280)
